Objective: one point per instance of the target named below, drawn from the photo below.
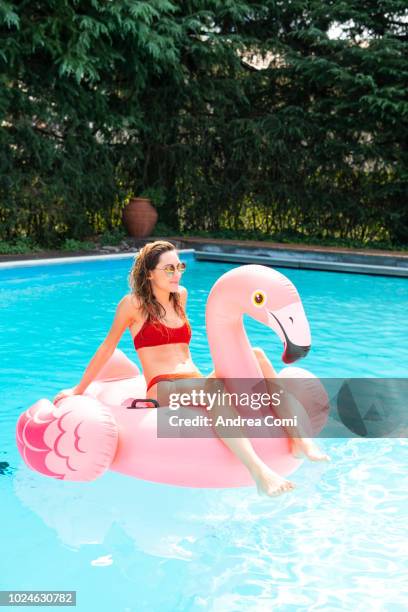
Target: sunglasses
(170, 269)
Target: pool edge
(23, 263)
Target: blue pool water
(336, 543)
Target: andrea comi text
(202, 420)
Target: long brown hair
(145, 261)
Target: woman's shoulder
(183, 295)
(133, 306)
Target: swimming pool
(337, 543)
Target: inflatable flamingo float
(85, 435)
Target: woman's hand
(64, 393)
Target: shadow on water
(5, 469)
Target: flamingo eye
(258, 298)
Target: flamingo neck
(230, 348)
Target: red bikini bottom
(177, 376)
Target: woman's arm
(125, 314)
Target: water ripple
(338, 542)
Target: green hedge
(100, 101)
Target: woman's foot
(306, 446)
(269, 483)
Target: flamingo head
(272, 299)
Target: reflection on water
(336, 540)
(161, 520)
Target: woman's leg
(299, 442)
(267, 481)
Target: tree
(100, 100)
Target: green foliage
(112, 237)
(99, 100)
(20, 246)
(156, 195)
(162, 229)
(70, 244)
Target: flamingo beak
(292, 351)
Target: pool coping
(306, 257)
(306, 264)
(25, 263)
(283, 246)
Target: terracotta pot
(139, 217)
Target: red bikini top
(156, 334)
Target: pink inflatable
(84, 435)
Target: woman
(154, 312)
